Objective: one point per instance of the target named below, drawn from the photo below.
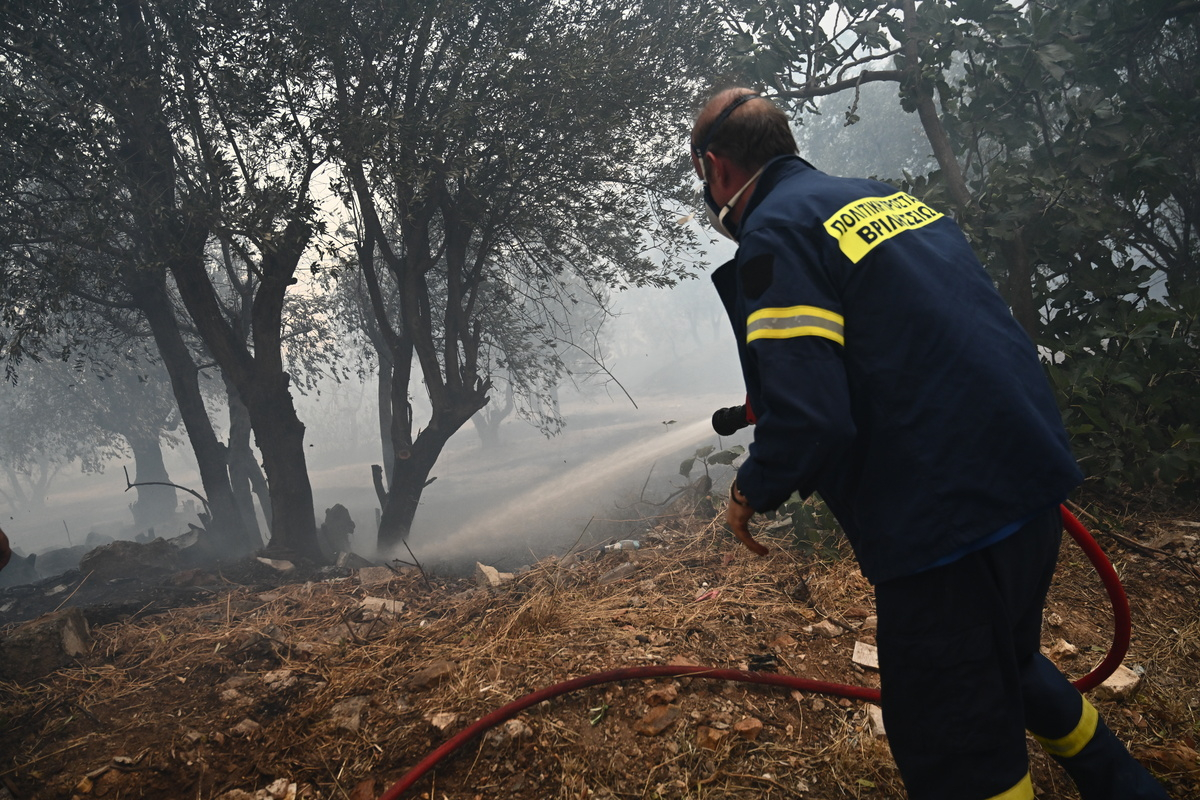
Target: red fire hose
(1108, 576)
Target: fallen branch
(194, 493)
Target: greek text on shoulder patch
(868, 221)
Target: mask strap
(733, 200)
(724, 115)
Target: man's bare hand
(738, 515)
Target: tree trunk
(384, 400)
(280, 437)
(488, 419)
(226, 521)
(488, 429)
(1019, 286)
(155, 505)
(931, 120)
(242, 465)
(410, 472)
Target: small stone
(817, 704)
(783, 642)
(516, 729)
(657, 720)
(709, 738)
(281, 789)
(490, 577)
(374, 576)
(865, 655)
(662, 695)
(280, 679)
(1054, 620)
(277, 564)
(827, 629)
(1063, 649)
(684, 661)
(748, 728)
(435, 673)
(347, 714)
(870, 623)
(442, 719)
(875, 718)
(1121, 685)
(350, 560)
(247, 727)
(382, 605)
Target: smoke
(671, 350)
(558, 498)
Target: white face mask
(716, 217)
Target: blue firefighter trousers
(963, 678)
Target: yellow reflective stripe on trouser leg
(1022, 791)
(793, 321)
(1077, 739)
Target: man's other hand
(737, 515)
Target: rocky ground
(257, 683)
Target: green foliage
(1128, 385)
(1057, 131)
(816, 532)
(710, 456)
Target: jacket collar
(775, 171)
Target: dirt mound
(334, 687)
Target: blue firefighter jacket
(886, 372)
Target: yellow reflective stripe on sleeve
(1022, 791)
(793, 321)
(869, 221)
(1077, 739)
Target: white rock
(1063, 649)
(280, 679)
(281, 789)
(827, 629)
(373, 576)
(382, 605)
(246, 727)
(442, 719)
(875, 717)
(865, 655)
(517, 729)
(490, 577)
(1120, 685)
(278, 564)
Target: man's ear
(717, 167)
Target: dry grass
(169, 692)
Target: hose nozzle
(728, 421)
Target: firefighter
(887, 374)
